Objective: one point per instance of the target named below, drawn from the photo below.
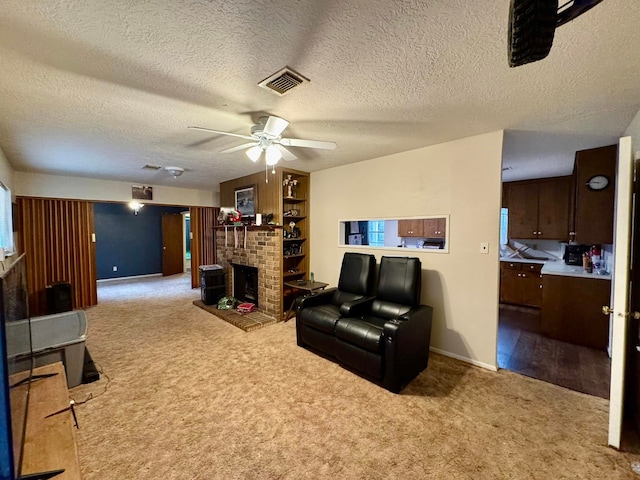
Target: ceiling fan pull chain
(266, 174)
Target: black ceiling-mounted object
(532, 26)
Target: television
(14, 399)
(15, 380)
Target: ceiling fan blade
(286, 154)
(298, 142)
(239, 147)
(246, 137)
(275, 126)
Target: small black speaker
(59, 297)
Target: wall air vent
(150, 166)
(283, 81)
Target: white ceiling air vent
(283, 81)
(150, 166)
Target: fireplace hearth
(245, 283)
(258, 247)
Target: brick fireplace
(261, 249)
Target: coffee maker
(573, 254)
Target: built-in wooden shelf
(300, 239)
(293, 217)
(293, 200)
(300, 255)
(293, 274)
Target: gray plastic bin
(56, 338)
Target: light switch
(484, 247)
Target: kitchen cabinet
(572, 310)
(540, 209)
(423, 227)
(410, 228)
(594, 209)
(520, 283)
(434, 227)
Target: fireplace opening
(245, 283)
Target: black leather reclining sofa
(382, 333)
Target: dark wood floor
(522, 349)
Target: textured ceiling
(99, 89)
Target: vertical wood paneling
(203, 249)
(56, 236)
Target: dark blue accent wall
(131, 242)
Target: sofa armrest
(356, 308)
(316, 298)
(406, 346)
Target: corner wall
(633, 130)
(461, 178)
(6, 172)
(80, 188)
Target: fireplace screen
(245, 284)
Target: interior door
(172, 257)
(621, 289)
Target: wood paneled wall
(203, 248)
(269, 198)
(56, 237)
(268, 194)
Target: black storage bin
(212, 283)
(59, 297)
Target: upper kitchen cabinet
(595, 174)
(539, 209)
(410, 228)
(434, 227)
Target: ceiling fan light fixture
(254, 153)
(273, 155)
(175, 172)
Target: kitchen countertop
(558, 267)
(522, 260)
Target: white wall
(460, 178)
(58, 186)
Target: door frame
(620, 289)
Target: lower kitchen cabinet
(572, 310)
(520, 283)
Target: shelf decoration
(291, 183)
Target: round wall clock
(598, 182)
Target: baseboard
(133, 277)
(487, 366)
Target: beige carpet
(193, 397)
(244, 321)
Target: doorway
(187, 235)
(547, 329)
(129, 245)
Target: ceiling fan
(266, 136)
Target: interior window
(425, 233)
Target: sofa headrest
(357, 273)
(400, 280)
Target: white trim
(484, 365)
(132, 277)
(620, 288)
